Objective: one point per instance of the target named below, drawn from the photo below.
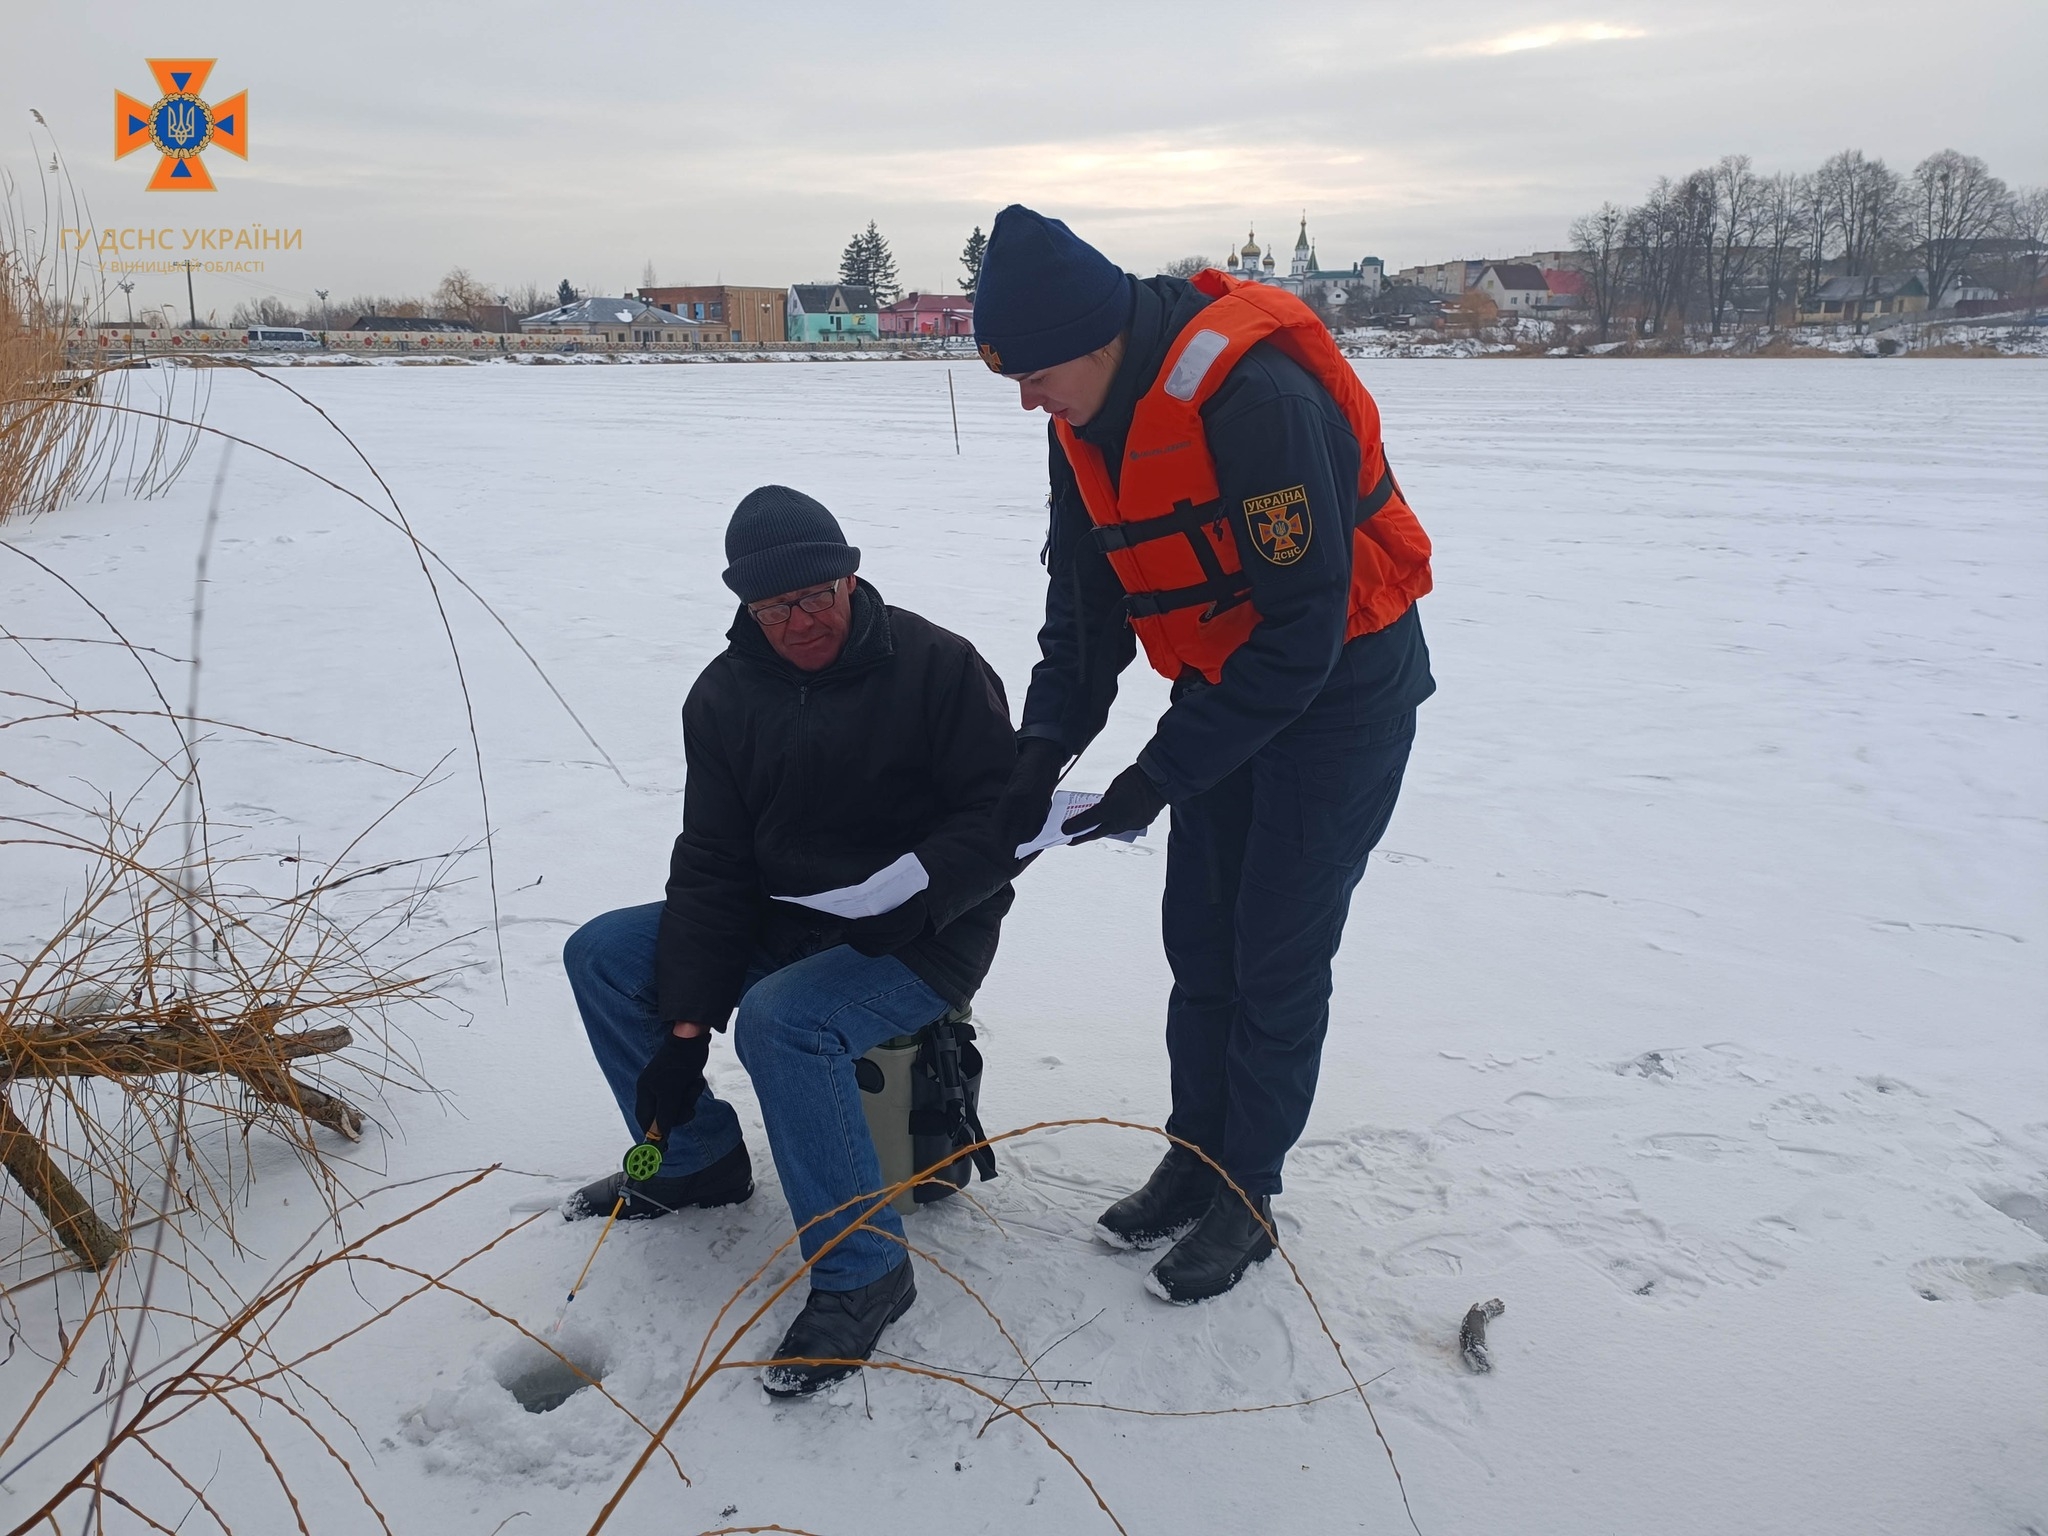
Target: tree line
(1725, 246)
(867, 262)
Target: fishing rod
(642, 1162)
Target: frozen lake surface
(1694, 1005)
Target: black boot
(840, 1326)
(1170, 1202)
(1230, 1238)
(726, 1182)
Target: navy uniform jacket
(1270, 426)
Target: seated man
(834, 735)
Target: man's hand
(669, 1086)
(887, 932)
(1028, 795)
(1130, 804)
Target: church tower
(1246, 260)
(1304, 254)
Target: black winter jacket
(1269, 426)
(802, 782)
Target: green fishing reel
(643, 1162)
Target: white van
(278, 338)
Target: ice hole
(541, 1381)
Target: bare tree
(2026, 226)
(380, 304)
(1957, 204)
(1731, 233)
(264, 311)
(1185, 266)
(1780, 228)
(1647, 238)
(1864, 206)
(1669, 235)
(531, 299)
(1814, 227)
(460, 296)
(1598, 238)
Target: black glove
(887, 932)
(666, 1094)
(1028, 795)
(1130, 804)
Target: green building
(832, 312)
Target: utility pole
(191, 309)
(127, 287)
(321, 294)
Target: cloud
(1553, 36)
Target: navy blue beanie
(781, 540)
(1046, 295)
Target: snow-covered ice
(1694, 1005)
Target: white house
(1515, 287)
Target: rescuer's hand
(667, 1092)
(1130, 804)
(887, 932)
(1028, 795)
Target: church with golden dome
(1305, 276)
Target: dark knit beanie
(1045, 295)
(780, 540)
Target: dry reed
(243, 1358)
(56, 447)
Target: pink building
(929, 314)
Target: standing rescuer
(1219, 494)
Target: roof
(1883, 285)
(816, 298)
(607, 312)
(930, 304)
(1563, 280)
(1519, 276)
(407, 323)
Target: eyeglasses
(770, 615)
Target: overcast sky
(746, 142)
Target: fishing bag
(922, 1097)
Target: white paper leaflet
(1066, 803)
(883, 891)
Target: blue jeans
(798, 1031)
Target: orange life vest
(1167, 533)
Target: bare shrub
(55, 447)
(250, 1379)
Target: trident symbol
(184, 121)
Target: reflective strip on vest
(1195, 359)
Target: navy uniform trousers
(1259, 875)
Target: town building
(929, 314)
(1516, 288)
(749, 317)
(620, 322)
(1323, 288)
(1850, 300)
(1447, 279)
(831, 312)
(1567, 287)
